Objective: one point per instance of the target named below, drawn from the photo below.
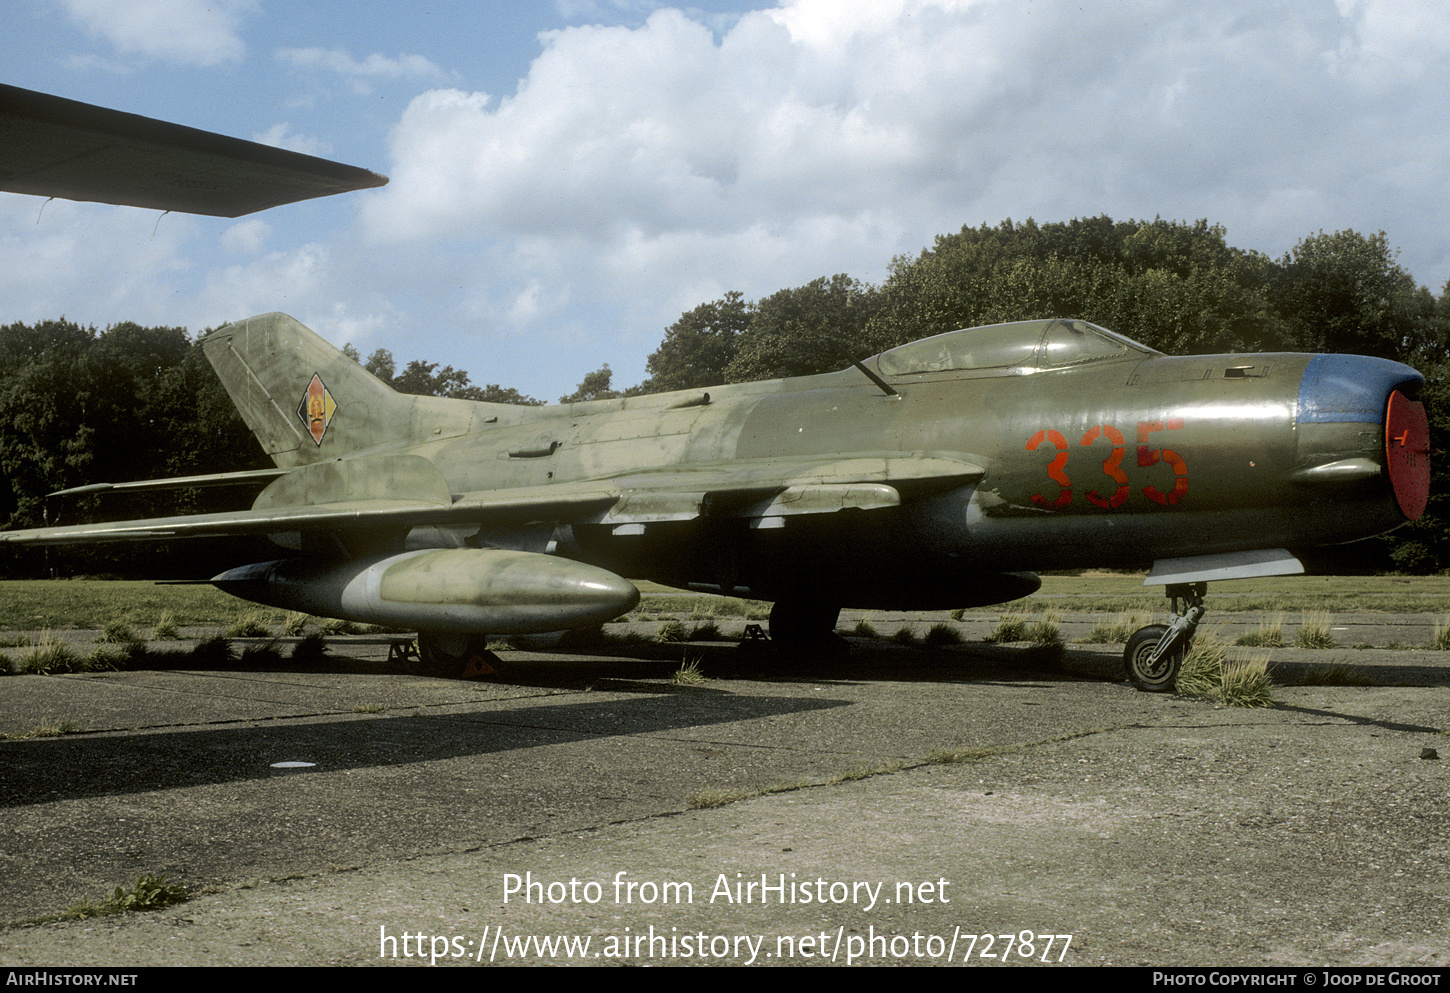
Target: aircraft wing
(763, 489)
(54, 147)
(401, 491)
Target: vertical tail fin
(308, 402)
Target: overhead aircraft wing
(54, 147)
(402, 491)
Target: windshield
(1025, 345)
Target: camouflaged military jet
(943, 473)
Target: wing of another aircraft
(54, 147)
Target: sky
(569, 176)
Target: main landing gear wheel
(1145, 674)
(806, 629)
(455, 656)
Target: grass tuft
(252, 625)
(311, 649)
(1116, 631)
(1269, 633)
(1045, 631)
(671, 631)
(1440, 640)
(904, 636)
(1314, 630)
(118, 633)
(689, 674)
(1210, 671)
(865, 629)
(51, 655)
(214, 653)
(709, 631)
(941, 636)
(165, 629)
(1011, 626)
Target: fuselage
(1109, 455)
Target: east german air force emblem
(316, 409)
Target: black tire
(806, 628)
(454, 656)
(1160, 678)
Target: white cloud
(375, 65)
(362, 73)
(278, 137)
(908, 117)
(246, 237)
(192, 32)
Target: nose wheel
(1154, 654)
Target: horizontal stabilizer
(54, 147)
(247, 477)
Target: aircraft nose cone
(1353, 390)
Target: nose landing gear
(1155, 653)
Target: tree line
(78, 405)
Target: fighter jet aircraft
(942, 473)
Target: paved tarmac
(884, 810)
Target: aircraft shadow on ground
(43, 770)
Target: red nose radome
(1407, 453)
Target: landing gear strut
(1155, 653)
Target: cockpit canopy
(1009, 348)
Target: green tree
(1345, 292)
(597, 385)
(1172, 285)
(813, 328)
(698, 347)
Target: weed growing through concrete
(1047, 630)
(150, 893)
(253, 625)
(941, 636)
(1440, 640)
(165, 629)
(1011, 626)
(904, 636)
(118, 632)
(709, 631)
(1116, 631)
(311, 649)
(51, 655)
(1314, 631)
(689, 674)
(865, 629)
(1210, 671)
(671, 631)
(1269, 633)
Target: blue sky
(568, 177)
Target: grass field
(29, 605)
